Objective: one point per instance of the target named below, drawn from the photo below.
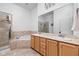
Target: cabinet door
(37, 43)
(43, 46)
(52, 48)
(68, 50)
(32, 41)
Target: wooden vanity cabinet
(32, 42)
(52, 48)
(36, 43)
(42, 46)
(68, 49)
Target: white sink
(56, 36)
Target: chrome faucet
(60, 35)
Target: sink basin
(61, 35)
(56, 36)
(52, 35)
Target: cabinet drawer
(52, 43)
(43, 50)
(43, 46)
(42, 43)
(36, 37)
(42, 40)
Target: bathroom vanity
(53, 45)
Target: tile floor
(19, 52)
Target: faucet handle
(59, 32)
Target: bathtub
(24, 37)
(21, 42)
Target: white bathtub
(23, 41)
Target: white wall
(42, 10)
(20, 16)
(34, 19)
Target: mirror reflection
(58, 20)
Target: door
(52, 48)
(68, 50)
(32, 41)
(37, 43)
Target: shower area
(5, 29)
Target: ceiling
(29, 6)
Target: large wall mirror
(59, 20)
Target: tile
(19, 52)
(24, 51)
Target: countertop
(67, 38)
